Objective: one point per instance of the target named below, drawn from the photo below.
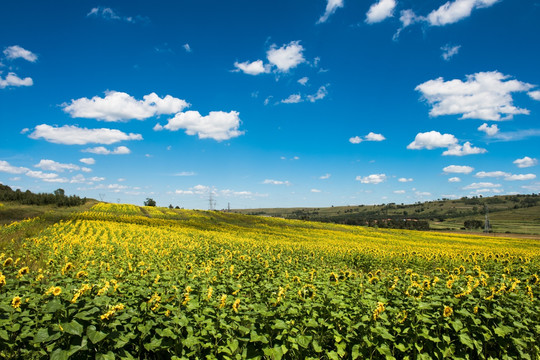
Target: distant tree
(177, 207)
(150, 202)
(170, 206)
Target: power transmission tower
(228, 207)
(211, 201)
(102, 196)
(487, 225)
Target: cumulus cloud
(73, 135)
(465, 149)
(454, 179)
(371, 179)
(80, 179)
(120, 106)
(217, 125)
(380, 11)
(535, 95)
(432, 140)
(287, 56)
(325, 176)
(458, 169)
(374, 137)
(254, 68)
(88, 161)
(403, 180)
(292, 99)
(355, 140)
(276, 182)
(481, 185)
(525, 162)
(48, 177)
(454, 11)
(51, 165)
(10, 169)
(331, 7)
(448, 51)
(520, 177)
(16, 52)
(484, 95)
(496, 174)
(101, 150)
(489, 130)
(12, 79)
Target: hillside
(519, 214)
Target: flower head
(447, 311)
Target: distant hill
(519, 214)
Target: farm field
(121, 281)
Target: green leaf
(59, 354)
(53, 306)
(108, 356)
(280, 325)
(385, 350)
(402, 347)
(153, 344)
(316, 346)
(94, 335)
(41, 335)
(73, 328)
(466, 340)
(503, 330)
(303, 341)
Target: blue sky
(271, 103)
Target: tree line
(27, 197)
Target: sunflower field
(125, 282)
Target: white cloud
(374, 137)
(325, 176)
(185, 173)
(380, 11)
(303, 81)
(15, 52)
(517, 135)
(217, 125)
(13, 80)
(48, 177)
(535, 95)
(454, 179)
(331, 7)
(292, 99)
(489, 130)
(101, 150)
(254, 68)
(449, 51)
(88, 161)
(10, 169)
(355, 140)
(319, 95)
(120, 106)
(403, 180)
(80, 179)
(484, 95)
(286, 57)
(407, 18)
(51, 165)
(458, 169)
(452, 12)
(481, 185)
(109, 14)
(267, 100)
(465, 149)
(422, 193)
(525, 162)
(315, 190)
(431, 140)
(276, 182)
(187, 48)
(532, 187)
(399, 191)
(483, 174)
(85, 169)
(372, 179)
(520, 177)
(73, 135)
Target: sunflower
(16, 302)
(8, 262)
(447, 311)
(57, 291)
(23, 271)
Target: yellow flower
(447, 311)
(2, 279)
(377, 312)
(81, 274)
(57, 291)
(209, 293)
(67, 267)
(16, 302)
(475, 310)
(223, 301)
(8, 262)
(236, 305)
(23, 271)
